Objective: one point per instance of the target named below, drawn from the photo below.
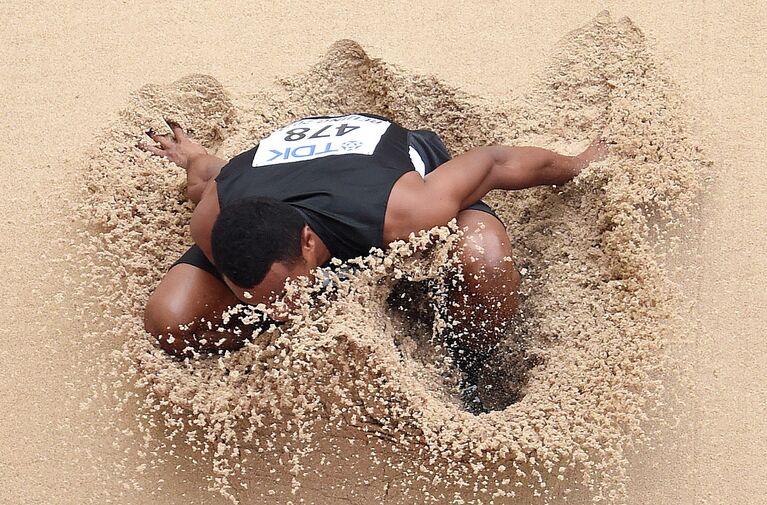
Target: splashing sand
(353, 398)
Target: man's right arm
(465, 179)
(469, 177)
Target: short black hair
(250, 234)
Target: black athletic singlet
(338, 171)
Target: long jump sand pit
(354, 399)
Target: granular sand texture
(354, 398)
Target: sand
(592, 249)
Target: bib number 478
(324, 132)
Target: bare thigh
(178, 311)
(487, 298)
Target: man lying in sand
(328, 187)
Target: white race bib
(308, 139)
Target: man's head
(258, 243)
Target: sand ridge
(596, 300)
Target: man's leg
(482, 305)
(178, 313)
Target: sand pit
(353, 399)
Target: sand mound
(353, 399)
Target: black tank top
(338, 171)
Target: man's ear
(308, 242)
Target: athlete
(335, 187)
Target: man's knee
(491, 282)
(485, 256)
(491, 279)
(168, 323)
(487, 259)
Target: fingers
(601, 149)
(152, 149)
(178, 132)
(156, 150)
(164, 140)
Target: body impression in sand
(333, 188)
(353, 398)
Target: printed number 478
(300, 133)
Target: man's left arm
(200, 166)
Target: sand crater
(584, 358)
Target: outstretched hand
(596, 151)
(178, 148)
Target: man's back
(337, 171)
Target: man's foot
(471, 365)
(470, 398)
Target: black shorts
(432, 152)
(194, 256)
